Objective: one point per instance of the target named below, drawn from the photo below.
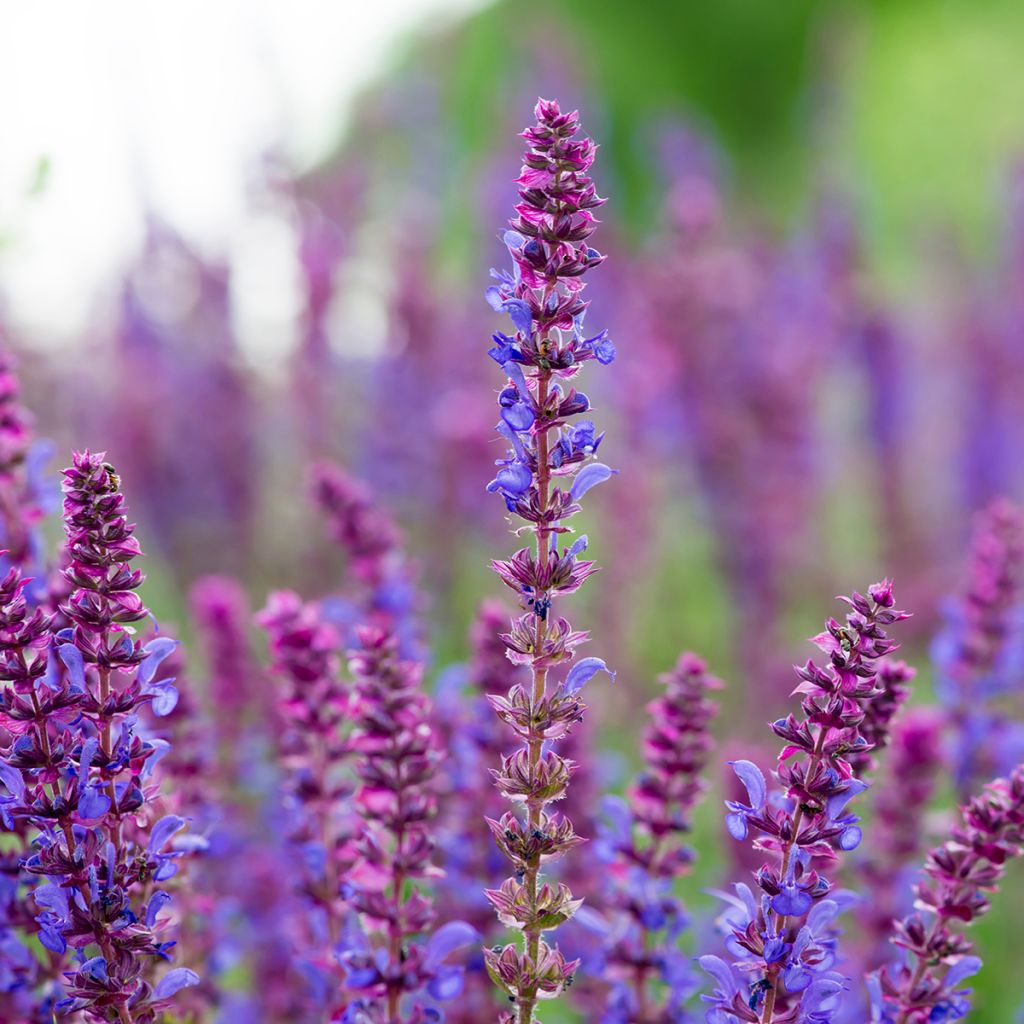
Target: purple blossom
(79, 771)
(957, 877)
(978, 654)
(784, 942)
(396, 759)
(645, 853)
(546, 471)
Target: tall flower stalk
(783, 939)
(977, 653)
(652, 977)
(952, 895)
(548, 468)
(80, 772)
(397, 970)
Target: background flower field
(815, 288)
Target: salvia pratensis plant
(782, 938)
(80, 770)
(977, 653)
(549, 467)
(398, 969)
(927, 986)
(652, 977)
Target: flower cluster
(646, 852)
(375, 559)
(958, 874)
(783, 941)
(242, 913)
(396, 758)
(80, 769)
(26, 494)
(977, 653)
(549, 467)
(314, 704)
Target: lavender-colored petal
(590, 476)
(174, 981)
(74, 662)
(582, 672)
(163, 830)
(156, 651)
(446, 940)
(753, 781)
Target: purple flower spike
(396, 762)
(953, 893)
(643, 843)
(79, 776)
(547, 470)
(977, 653)
(786, 940)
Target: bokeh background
(237, 239)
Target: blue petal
(605, 352)
(522, 317)
(163, 830)
(447, 983)
(722, 973)
(93, 804)
(753, 781)
(89, 750)
(96, 968)
(13, 780)
(515, 479)
(582, 672)
(963, 968)
(837, 802)
(165, 701)
(519, 416)
(849, 838)
(52, 939)
(736, 825)
(792, 902)
(157, 902)
(174, 981)
(589, 476)
(819, 993)
(593, 921)
(797, 977)
(448, 938)
(74, 662)
(156, 650)
(579, 546)
(514, 372)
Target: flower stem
(532, 934)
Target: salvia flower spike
(81, 772)
(549, 466)
(644, 843)
(783, 937)
(957, 876)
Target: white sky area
(168, 105)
